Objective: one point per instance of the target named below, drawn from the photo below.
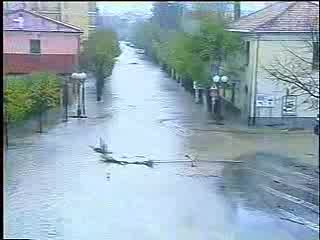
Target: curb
(255, 131)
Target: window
(247, 48)
(91, 31)
(44, 6)
(92, 21)
(92, 6)
(65, 4)
(34, 6)
(66, 18)
(35, 46)
(315, 57)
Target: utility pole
(83, 98)
(79, 108)
(66, 98)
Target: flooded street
(56, 187)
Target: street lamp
(80, 77)
(216, 98)
(216, 79)
(224, 79)
(196, 91)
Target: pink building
(33, 42)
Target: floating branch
(109, 159)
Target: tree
(25, 95)
(298, 68)
(216, 44)
(17, 99)
(99, 56)
(44, 94)
(190, 55)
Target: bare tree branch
(296, 68)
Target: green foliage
(216, 44)
(99, 56)
(17, 99)
(44, 92)
(30, 94)
(100, 52)
(190, 55)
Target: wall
(244, 77)
(59, 53)
(270, 50)
(76, 13)
(51, 43)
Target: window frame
(92, 19)
(32, 47)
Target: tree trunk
(99, 88)
(40, 122)
(6, 131)
(83, 100)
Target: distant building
(192, 10)
(32, 42)
(81, 14)
(267, 34)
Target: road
(56, 187)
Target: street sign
(264, 100)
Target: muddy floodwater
(56, 187)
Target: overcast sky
(141, 7)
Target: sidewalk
(236, 127)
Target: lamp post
(196, 92)
(215, 94)
(66, 99)
(80, 77)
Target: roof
(34, 22)
(280, 17)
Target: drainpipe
(254, 90)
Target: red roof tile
(280, 17)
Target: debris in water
(103, 149)
(109, 159)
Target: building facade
(274, 35)
(80, 14)
(33, 43)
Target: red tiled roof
(280, 17)
(36, 22)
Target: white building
(268, 33)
